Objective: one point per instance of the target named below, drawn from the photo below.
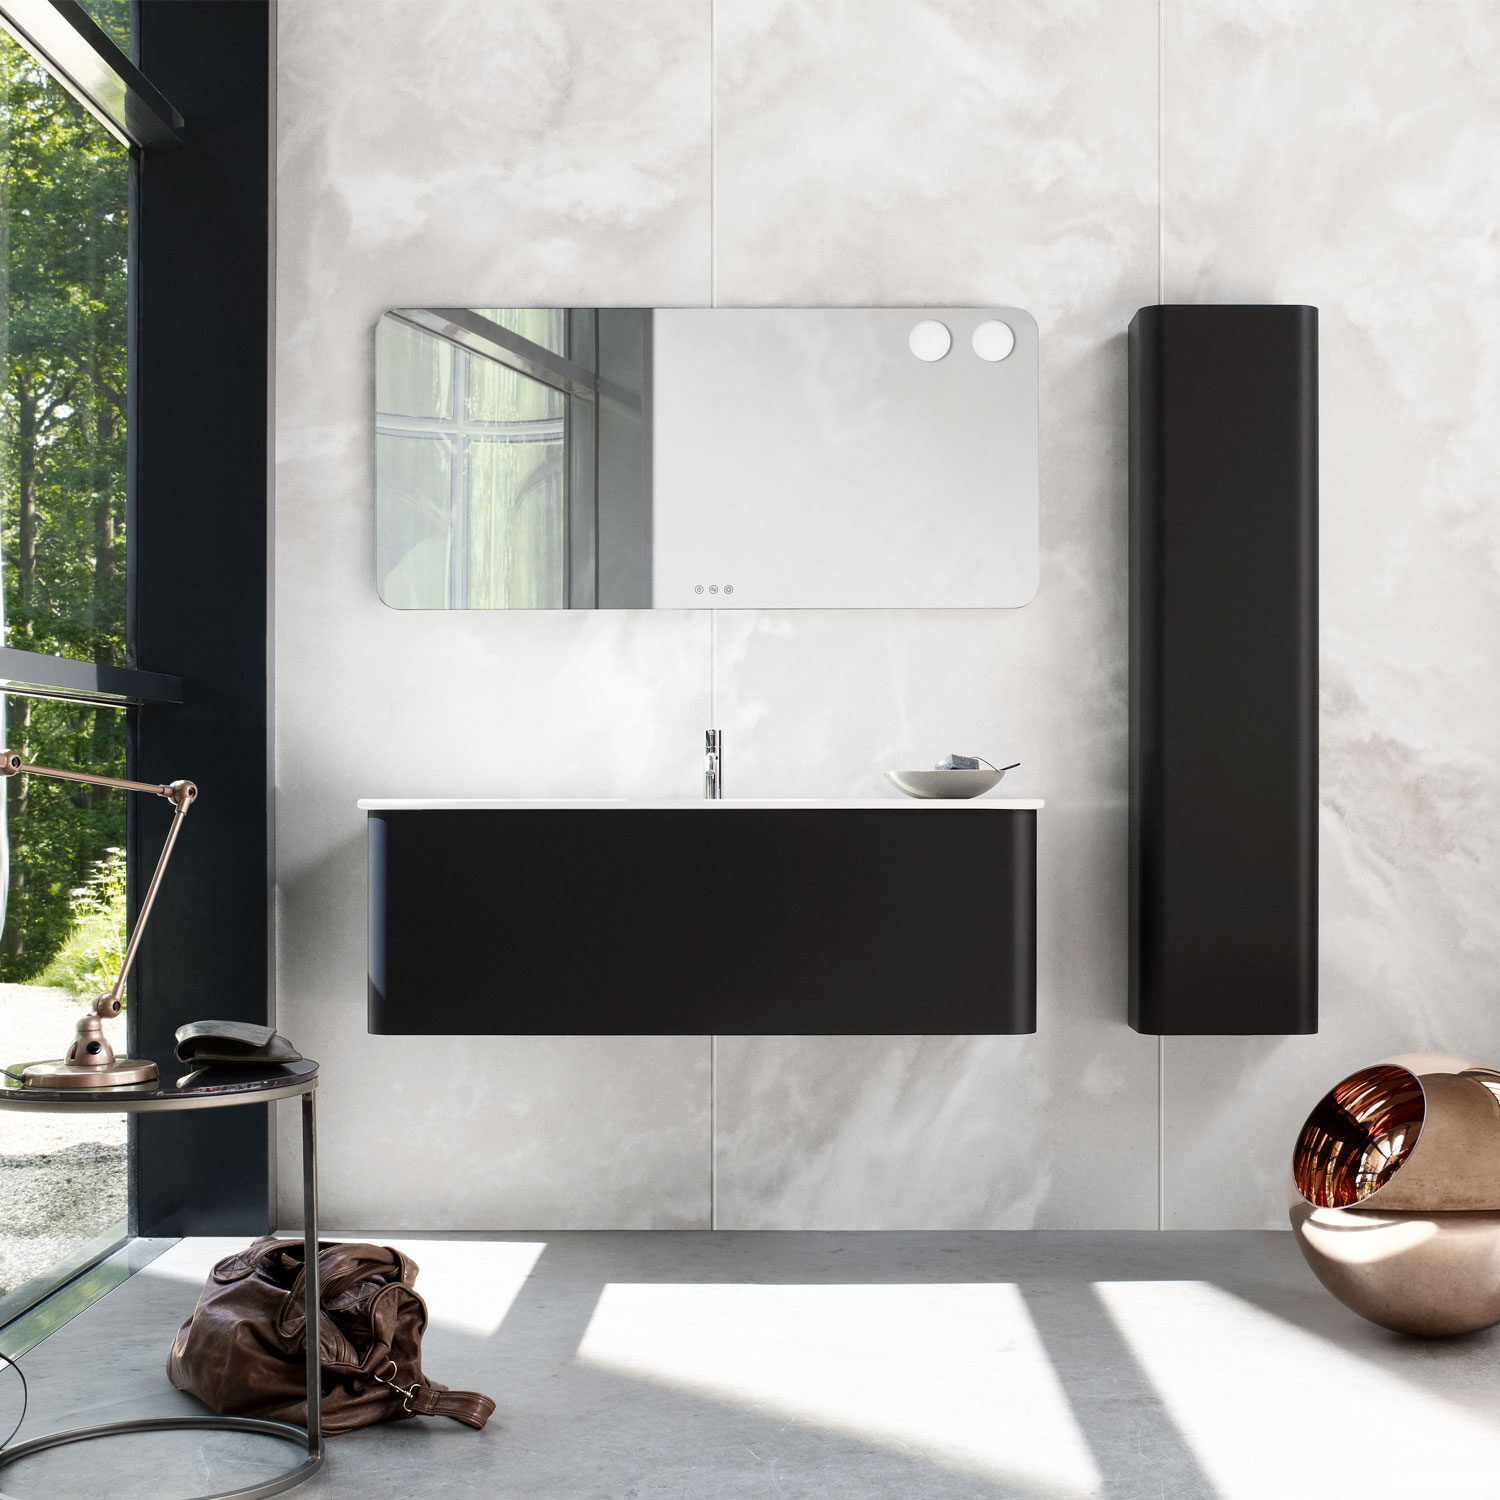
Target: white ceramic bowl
(945, 783)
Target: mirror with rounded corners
(727, 458)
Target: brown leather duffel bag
(242, 1352)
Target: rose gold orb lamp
(1395, 1193)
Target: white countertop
(681, 804)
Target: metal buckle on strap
(408, 1393)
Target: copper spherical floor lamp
(1395, 1193)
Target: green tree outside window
(63, 245)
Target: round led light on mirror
(993, 340)
(930, 340)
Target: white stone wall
(1060, 156)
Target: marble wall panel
(854, 151)
(1345, 155)
(946, 153)
(448, 153)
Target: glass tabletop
(181, 1086)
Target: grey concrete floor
(950, 1366)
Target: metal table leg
(312, 1435)
(312, 1329)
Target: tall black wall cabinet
(1223, 670)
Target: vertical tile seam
(1161, 297)
(713, 1127)
(713, 615)
(1161, 1132)
(713, 161)
(1161, 150)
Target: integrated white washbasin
(682, 804)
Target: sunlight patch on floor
(471, 1287)
(951, 1373)
(191, 1260)
(468, 1285)
(1267, 1406)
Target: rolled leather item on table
(234, 1042)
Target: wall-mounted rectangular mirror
(726, 458)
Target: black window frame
(198, 545)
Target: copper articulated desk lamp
(91, 1063)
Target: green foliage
(64, 831)
(64, 186)
(113, 18)
(94, 949)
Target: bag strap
(469, 1407)
(351, 1267)
(252, 1258)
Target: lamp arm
(109, 1005)
(181, 794)
(11, 764)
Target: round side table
(206, 1087)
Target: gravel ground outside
(62, 1177)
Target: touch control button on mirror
(930, 340)
(993, 340)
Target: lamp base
(61, 1074)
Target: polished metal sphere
(1395, 1193)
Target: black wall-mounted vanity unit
(684, 918)
(1223, 670)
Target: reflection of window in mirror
(471, 465)
(688, 458)
(547, 326)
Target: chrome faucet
(713, 765)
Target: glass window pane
(62, 1178)
(62, 396)
(413, 525)
(113, 18)
(57, 831)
